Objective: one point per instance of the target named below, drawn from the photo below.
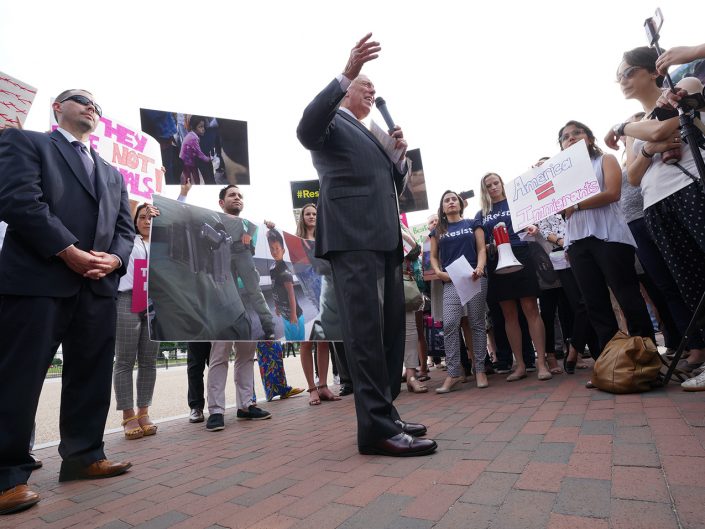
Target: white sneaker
(695, 384)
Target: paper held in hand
(460, 273)
(387, 142)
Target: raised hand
(364, 51)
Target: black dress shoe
(411, 428)
(401, 445)
(345, 390)
(37, 463)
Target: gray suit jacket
(357, 205)
(49, 203)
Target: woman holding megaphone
(512, 277)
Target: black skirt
(520, 284)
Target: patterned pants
(452, 312)
(132, 344)
(677, 225)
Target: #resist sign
(561, 182)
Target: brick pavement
(523, 455)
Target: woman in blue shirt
(456, 237)
(507, 288)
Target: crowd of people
(74, 258)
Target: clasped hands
(93, 265)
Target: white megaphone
(507, 262)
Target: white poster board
(134, 153)
(15, 100)
(561, 182)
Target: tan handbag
(628, 364)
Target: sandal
(414, 386)
(133, 433)
(327, 395)
(149, 428)
(313, 401)
(553, 364)
(291, 393)
(423, 376)
(516, 376)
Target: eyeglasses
(575, 134)
(628, 73)
(83, 100)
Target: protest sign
(132, 152)
(420, 232)
(214, 276)
(139, 285)
(15, 100)
(561, 182)
(413, 196)
(304, 192)
(204, 149)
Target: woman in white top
(132, 339)
(674, 201)
(601, 247)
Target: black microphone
(382, 107)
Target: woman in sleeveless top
(674, 201)
(601, 247)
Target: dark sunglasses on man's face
(83, 100)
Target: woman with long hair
(306, 229)
(521, 285)
(674, 201)
(455, 237)
(132, 340)
(601, 247)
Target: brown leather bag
(628, 364)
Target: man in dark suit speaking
(68, 241)
(357, 229)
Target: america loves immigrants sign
(560, 183)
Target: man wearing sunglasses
(68, 240)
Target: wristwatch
(619, 129)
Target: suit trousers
(370, 295)
(31, 329)
(243, 374)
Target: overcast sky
(477, 89)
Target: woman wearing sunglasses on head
(674, 201)
(601, 247)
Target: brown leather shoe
(98, 470)
(401, 445)
(17, 499)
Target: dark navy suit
(357, 229)
(50, 202)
